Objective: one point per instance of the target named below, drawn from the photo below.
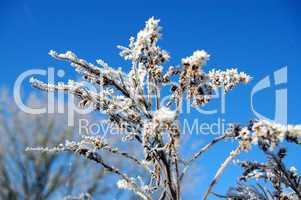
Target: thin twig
(201, 151)
(97, 158)
(222, 168)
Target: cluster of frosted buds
(145, 54)
(144, 46)
(227, 79)
(196, 61)
(170, 72)
(199, 85)
(268, 134)
(193, 79)
(273, 171)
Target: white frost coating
(123, 184)
(228, 79)
(102, 63)
(164, 114)
(198, 58)
(293, 170)
(264, 128)
(52, 53)
(146, 39)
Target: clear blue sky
(255, 36)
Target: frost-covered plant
(268, 136)
(284, 183)
(131, 101)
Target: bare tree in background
(34, 176)
(133, 102)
